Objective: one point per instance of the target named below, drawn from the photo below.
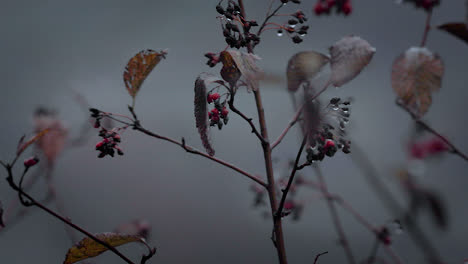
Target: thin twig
(249, 120)
(137, 126)
(318, 256)
(268, 17)
(335, 217)
(453, 148)
(427, 27)
(285, 191)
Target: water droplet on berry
(279, 34)
(292, 26)
(335, 108)
(302, 35)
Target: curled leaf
(201, 112)
(303, 66)
(139, 67)
(349, 56)
(88, 248)
(458, 30)
(415, 75)
(437, 209)
(238, 64)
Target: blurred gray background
(201, 212)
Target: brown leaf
(201, 112)
(238, 64)
(88, 248)
(458, 30)
(139, 67)
(415, 75)
(303, 66)
(349, 56)
(31, 141)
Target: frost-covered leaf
(53, 143)
(2, 223)
(238, 64)
(458, 30)
(139, 67)
(303, 66)
(349, 56)
(415, 75)
(201, 112)
(28, 143)
(88, 248)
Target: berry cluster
(213, 59)
(108, 145)
(232, 34)
(218, 112)
(325, 7)
(428, 148)
(297, 18)
(327, 140)
(426, 4)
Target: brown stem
(453, 148)
(335, 217)
(33, 202)
(427, 27)
(277, 225)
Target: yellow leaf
(88, 248)
(31, 141)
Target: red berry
(347, 8)
(329, 144)
(289, 205)
(427, 4)
(224, 112)
(215, 112)
(209, 99)
(31, 162)
(215, 118)
(318, 8)
(99, 144)
(215, 96)
(97, 124)
(417, 151)
(436, 146)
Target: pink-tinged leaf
(201, 112)
(138, 227)
(2, 223)
(53, 143)
(304, 66)
(139, 67)
(88, 248)
(349, 56)
(415, 75)
(28, 143)
(458, 30)
(235, 62)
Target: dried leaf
(31, 141)
(88, 248)
(303, 66)
(415, 75)
(201, 112)
(139, 67)
(2, 223)
(53, 143)
(235, 62)
(458, 30)
(348, 57)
